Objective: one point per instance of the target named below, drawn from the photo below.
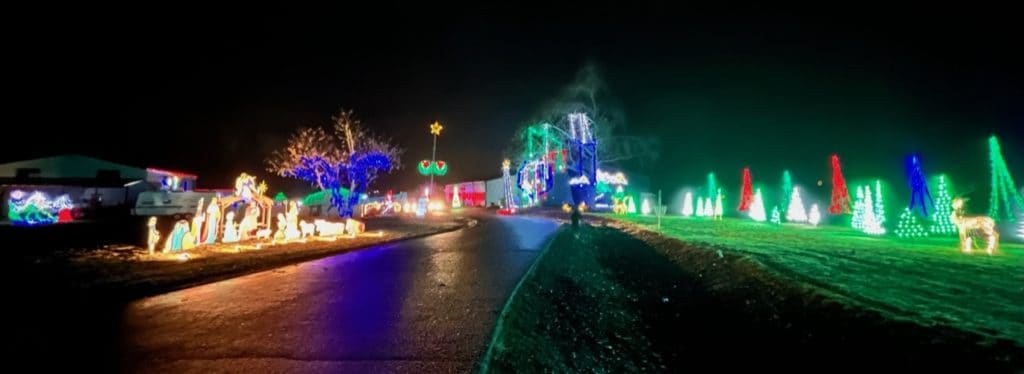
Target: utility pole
(435, 129)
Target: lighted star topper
(435, 128)
(506, 164)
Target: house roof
(70, 166)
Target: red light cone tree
(746, 192)
(840, 195)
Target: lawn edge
(811, 291)
(499, 324)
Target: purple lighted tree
(345, 155)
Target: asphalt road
(425, 305)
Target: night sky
(214, 91)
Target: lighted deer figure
(973, 226)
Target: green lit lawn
(926, 280)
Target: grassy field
(927, 281)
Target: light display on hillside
(974, 228)
(746, 191)
(796, 212)
(756, 209)
(941, 224)
(784, 192)
(919, 194)
(840, 203)
(814, 217)
(909, 227)
(712, 185)
(688, 205)
(1004, 199)
(879, 204)
(857, 222)
(1020, 229)
(719, 209)
(871, 224)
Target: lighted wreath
(438, 167)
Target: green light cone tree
(941, 223)
(712, 186)
(1004, 195)
(909, 227)
(787, 185)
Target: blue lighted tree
(346, 155)
(919, 194)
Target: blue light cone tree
(919, 194)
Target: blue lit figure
(919, 194)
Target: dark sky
(214, 91)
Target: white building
(88, 181)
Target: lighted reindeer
(973, 226)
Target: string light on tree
(879, 203)
(1020, 229)
(814, 217)
(840, 203)
(857, 222)
(941, 223)
(796, 212)
(712, 185)
(688, 205)
(756, 211)
(776, 215)
(718, 205)
(787, 185)
(872, 226)
(1004, 194)
(909, 227)
(746, 191)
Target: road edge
(499, 324)
(141, 293)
